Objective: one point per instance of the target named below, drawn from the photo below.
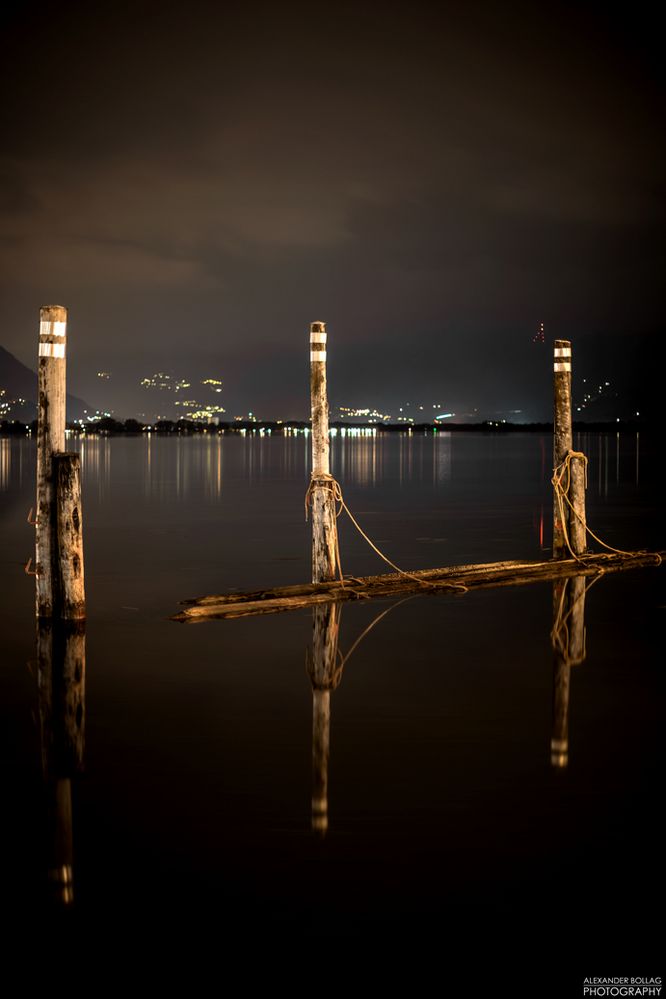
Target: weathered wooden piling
(562, 434)
(568, 639)
(577, 517)
(568, 520)
(59, 536)
(69, 586)
(321, 492)
(50, 439)
(325, 675)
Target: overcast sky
(198, 183)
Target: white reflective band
(563, 352)
(318, 337)
(317, 355)
(51, 350)
(52, 329)
(562, 366)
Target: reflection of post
(568, 637)
(61, 652)
(325, 675)
(61, 866)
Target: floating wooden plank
(454, 579)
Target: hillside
(18, 392)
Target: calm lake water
(451, 834)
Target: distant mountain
(18, 392)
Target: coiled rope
(561, 482)
(562, 471)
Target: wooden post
(69, 598)
(50, 438)
(325, 676)
(562, 433)
(324, 525)
(569, 650)
(577, 519)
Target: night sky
(198, 183)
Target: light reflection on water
(488, 489)
(466, 769)
(16, 456)
(176, 466)
(5, 462)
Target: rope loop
(562, 496)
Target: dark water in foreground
(453, 841)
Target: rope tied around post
(329, 482)
(561, 482)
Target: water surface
(450, 831)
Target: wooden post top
(52, 331)
(53, 313)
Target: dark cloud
(199, 183)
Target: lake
(452, 832)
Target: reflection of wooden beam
(568, 637)
(455, 579)
(325, 674)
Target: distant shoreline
(108, 427)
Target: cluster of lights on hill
(368, 415)
(540, 335)
(591, 397)
(7, 405)
(190, 409)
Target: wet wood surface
(51, 395)
(452, 580)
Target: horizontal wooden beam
(454, 579)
